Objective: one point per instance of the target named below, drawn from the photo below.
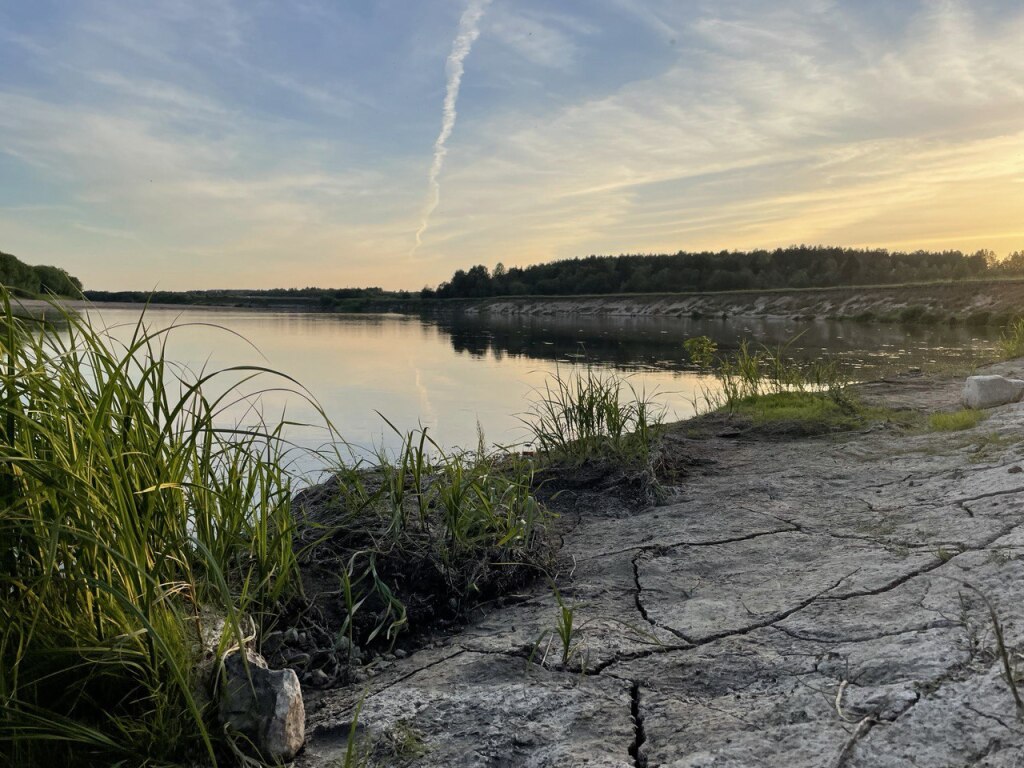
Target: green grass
(124, 510)
(589, 414)
(750, 374)
(1011, 342)
(778, 394)
(813, 413)
(955, 421)
(810, 410)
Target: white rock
(990, 391)
(263, 705)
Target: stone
(992, 390)
(263, 705)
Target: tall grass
(592, 414)
(124, 509)
(1012, 339)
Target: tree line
(793, 267)
(27, 280)
(324, 298)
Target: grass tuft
(955, 421)
(1011, 341)
(591, 414)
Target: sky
(180, 144)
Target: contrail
(469, 31)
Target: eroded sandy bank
(938, 301)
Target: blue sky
(215, 143)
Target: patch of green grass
(803, 407)
(751, 373)
(955, 421)
(807, 411)
(814, 413)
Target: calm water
(454, 373)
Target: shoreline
(796, 602)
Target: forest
(793, 267)
(29, 281)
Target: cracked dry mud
(801, 603)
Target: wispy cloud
(250, 146)
(741, 143)
(469, 30)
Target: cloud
(740, 142)
(157, 150)
(469, 30)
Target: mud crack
(639, 735)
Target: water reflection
(644, 343)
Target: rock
(990, 391)
(263, 705)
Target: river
(453, 373)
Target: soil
(789, 601)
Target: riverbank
(796, 602)
(977, 302)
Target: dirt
(791, 601)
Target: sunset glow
(231, 144)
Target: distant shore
(975, 302)
(972, 302)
